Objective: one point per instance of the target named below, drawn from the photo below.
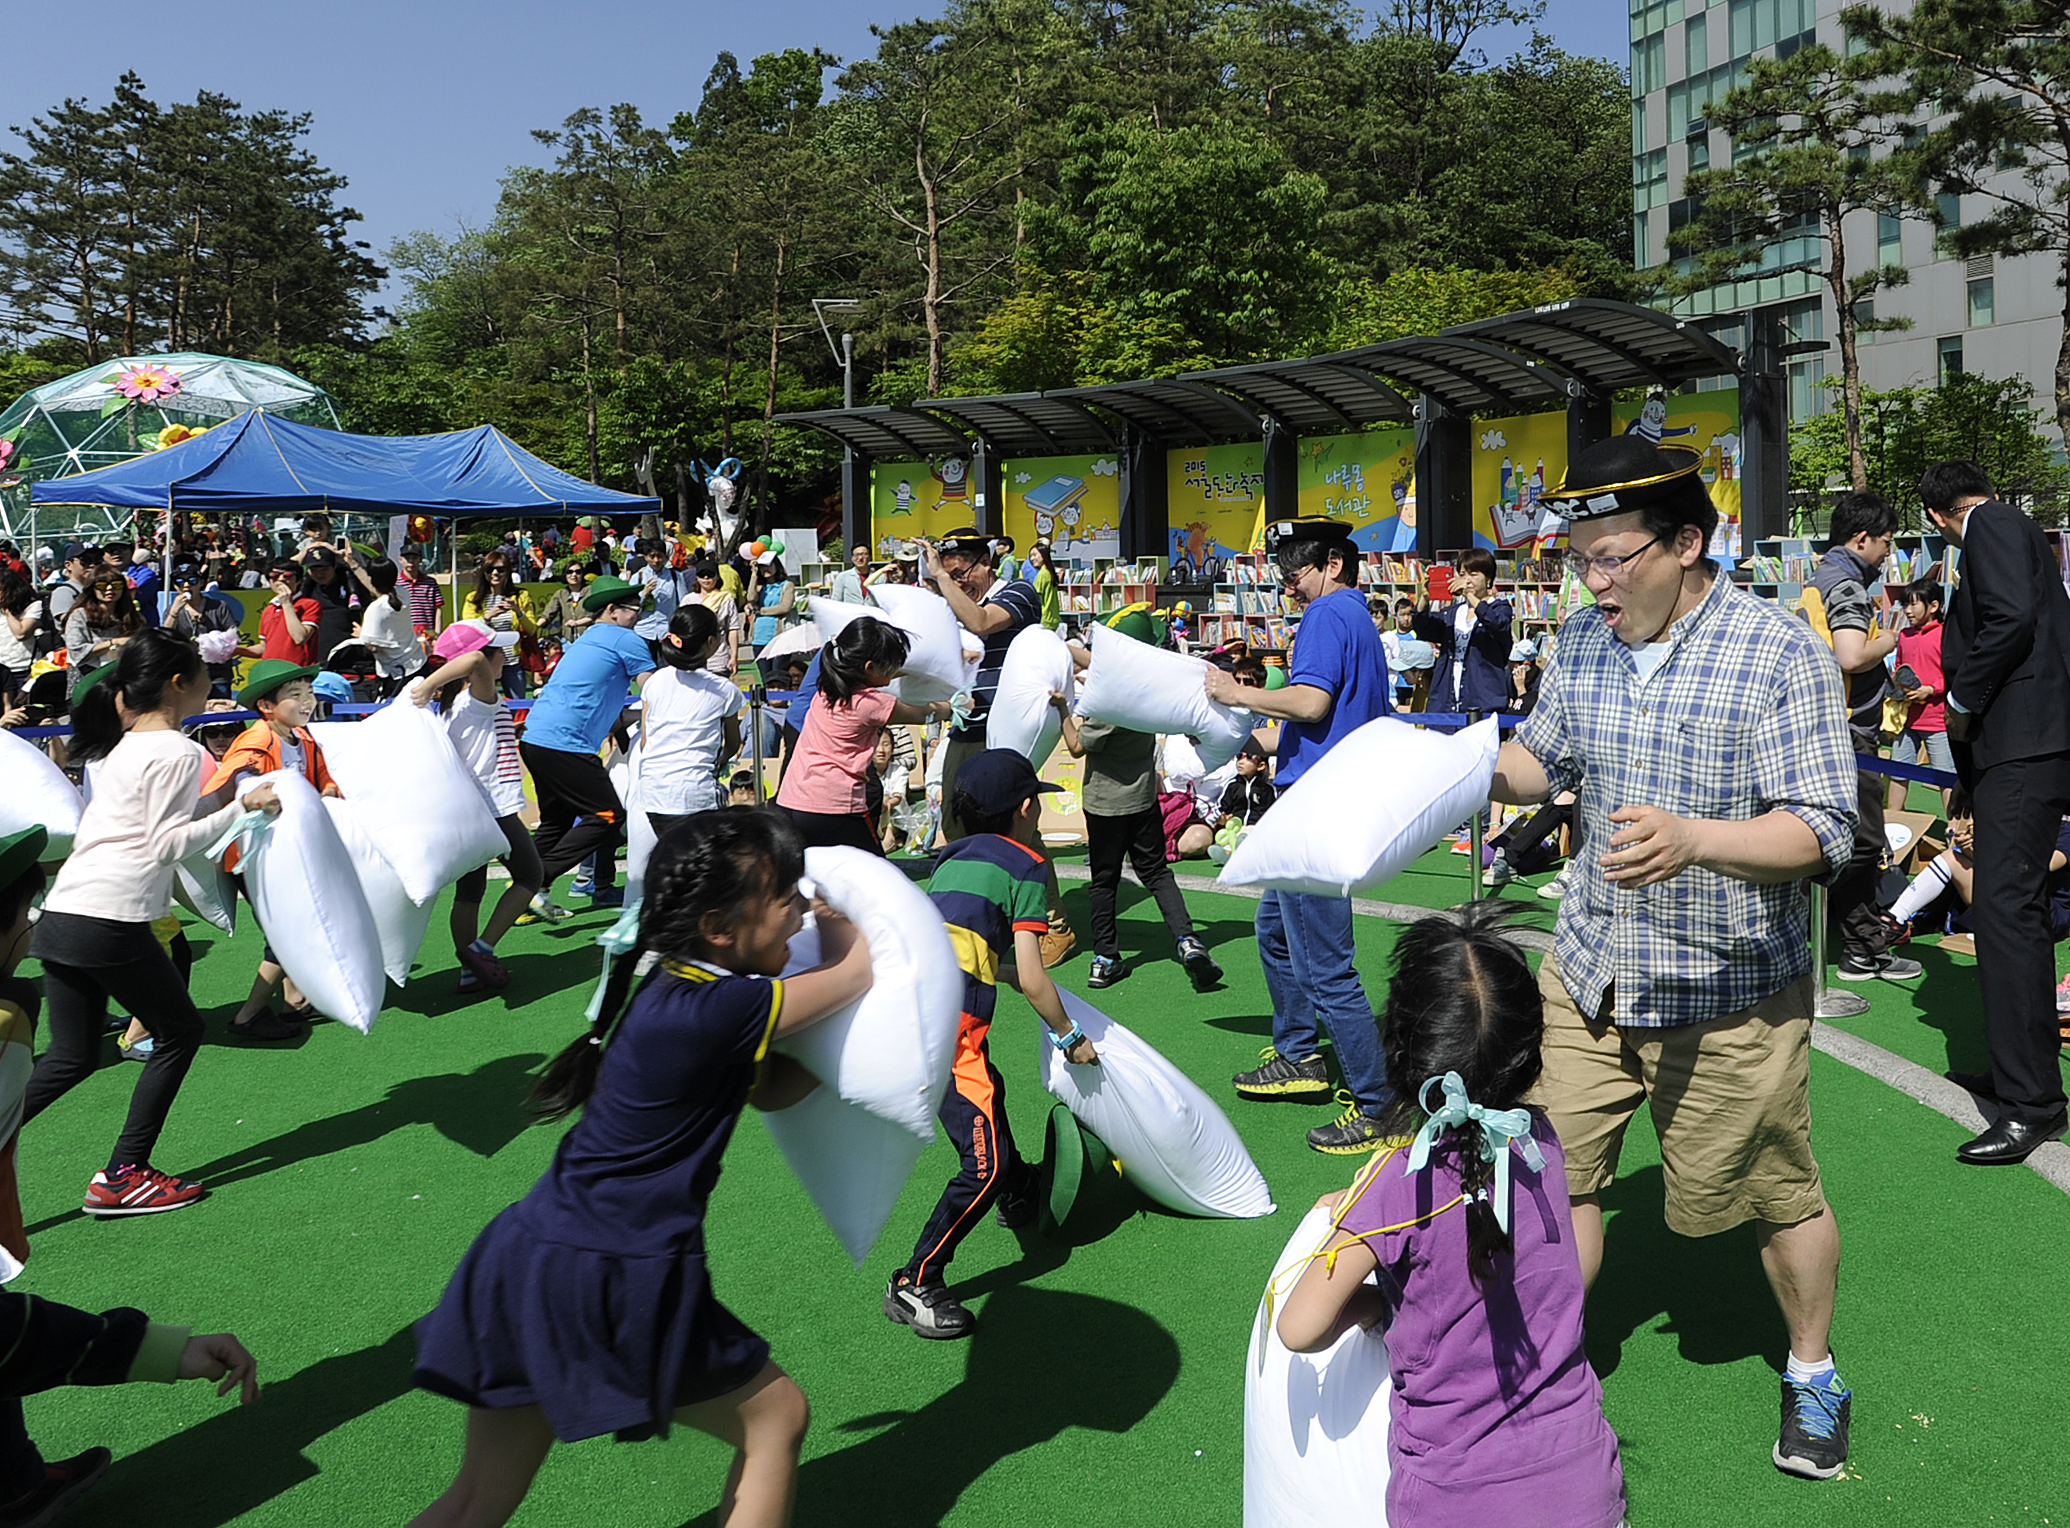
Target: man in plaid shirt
(1705, 733)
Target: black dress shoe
(2009, 1141)
(1979, 1083)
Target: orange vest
(258, 749)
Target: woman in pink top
(826, 789)
(1925, 738)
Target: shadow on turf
(1948, 1000)
(244, 1456)
(1710, 1292)
(1040, 1362)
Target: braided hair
(1462, 999)
(862, 642)
(699, 877)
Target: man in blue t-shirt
(579, 811)
(1336, 684)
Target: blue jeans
(1304, 943)
(1910, 745)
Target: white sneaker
(1498, 872)
(1555, 888)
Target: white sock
(1805, 1372)
(1926, 886)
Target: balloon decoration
(420, 528)
(1275, 677)
(757, 548)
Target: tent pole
(453, 551)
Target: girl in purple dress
(1497, 1416)
(585, 1308)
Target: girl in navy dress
(586, 1308)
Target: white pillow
(1132, 684)
(852, 1164)
(831, 617)
(639, 833)
(401, 922)
(1382, 796)
(434, 820)
(937, 666)
(37, 794)
(206, 890)
(1172, 1141)
(1038, 664)
(305, 888)
(889, 1051)
(1315, 1425)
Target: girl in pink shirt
(825, 790)
(1925, 738)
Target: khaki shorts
(1731, 1103)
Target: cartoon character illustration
(1195, 556)
(1651, 426)
(902, 497)
(954, 476)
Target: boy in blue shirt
(1336, 683)
(579, 812)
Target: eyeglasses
(1612, 568)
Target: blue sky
(422, 104)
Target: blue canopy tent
(260, 464)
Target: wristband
(1066, 1041)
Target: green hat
(268, 675)
(18, 851)
(608, 591)
(1140, 621)
(91, 678)
(1083, 1196)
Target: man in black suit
(2006, 652)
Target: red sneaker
(139, 1191)
(487, 969)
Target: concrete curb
(1968, 1110)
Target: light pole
(855, 515)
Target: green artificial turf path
(1104, 1385)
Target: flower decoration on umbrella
(146, 382)
(13, 462)
(173, 434)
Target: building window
(1639, 260)
(1950, 353)
(1890, 240)
(1807, 398)
(1699, 154)
(1982, 301)
(1696, 56)
(1638, 127)
(1947, 210)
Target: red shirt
(1921, 649)
(273, 633)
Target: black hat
(186, 567)
(969, 541)
(319, 556)
(999, 780)
(79, 551)
(1627, 473)
(1307, 528)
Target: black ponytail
(692, 632)
(863, 641)
(1462, 999)
(708, 866)
(151, 661)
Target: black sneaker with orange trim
(63, 1483)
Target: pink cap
(464, 637)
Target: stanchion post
(1827, 1003)
(1473, 834)
(758, 697)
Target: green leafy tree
(1994, 77)
(1807, 131)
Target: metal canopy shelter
(1173, 413)
(1467, 376)
(881, 431)
(1311, 397)
(1608, 345)
(1028, 424)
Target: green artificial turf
(1104, 1385)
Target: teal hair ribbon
(1499, 1128)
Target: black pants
(2018, 806)
(1854, 902)
(825, 830)
(1527, 843)
(49, 1345)
(579, 813)
(1139, 836)
(148, 985)
(973, 1113)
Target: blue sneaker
(1814, 1426)
(582, 886)
(609, 896)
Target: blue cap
(332, 687)
(999, 780)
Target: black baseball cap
(79, 551)
(999, 780)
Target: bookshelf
(1780, 565)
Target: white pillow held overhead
(37, 793)
(1132, 684)
(1315, 1425)
(936, 666)
(1172, 1141)
(1023, 719)
(401, 922)
(1376, 801)
(402, 769)
(306, 891)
